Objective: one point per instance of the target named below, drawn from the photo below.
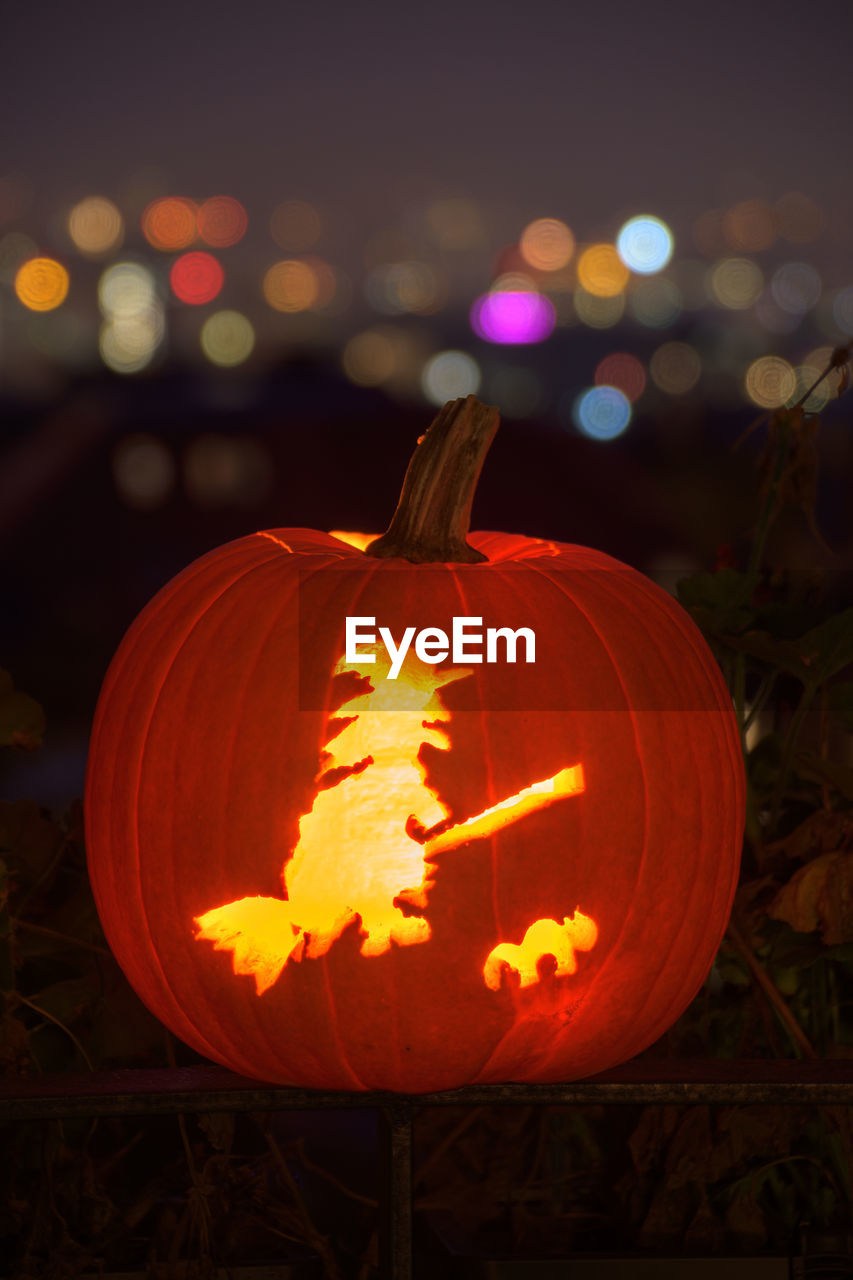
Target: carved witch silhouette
(374, 805)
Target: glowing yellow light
(361, 541)
(736, 283)
(227, 338)
(749, 226)
(599, 311)
(291, 285)
(675, 367)
(125, 289)
(96, 226)
(295, 225)
(601, 271)
(542, 938)
(41, 284)
(128, 342)
(770, 381)
(547, 244)
(387, 825)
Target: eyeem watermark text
(465, 643)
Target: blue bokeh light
(602, 413)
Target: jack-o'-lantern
(417, 812)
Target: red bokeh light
(196, 277)
(222, 221)
(622, 371)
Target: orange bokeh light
(601, 271)
(196, 278)
(170, 223)
(547, 244)
(222, 221)
(41, 284)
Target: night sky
(583, 112)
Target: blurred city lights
(196, 278)
(770, 382)
(736, 283)
(599, 312)
(394, 288)
(143, 471)
(369, 358)
(675, 368)
(749, 226)
(805, 376)
(222, 221)
(601, 271)
(655, 303)
(127, 343)
(96, 226)
(41, 284)
(645, 244)
(295, 226)
(547, 244)
(602, 413)
(125, 289)
(227, 338)
(513, 317)
(450, 375)
(795, 287)
(624, 372)
(800, 220)
(170, 223)
(291, 285)
(819, 360)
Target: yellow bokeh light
(369, 358)
(601, 271)
(128, 343)
(227, 338)
(291, 285)
(675, 367)
(96, 226)
(770, 381)
(736, 283)
(547, 244)
(41, 284)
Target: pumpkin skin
(208, 736)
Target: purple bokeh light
(513, 317)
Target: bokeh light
(196, 278)
(736, 283)
(770, 381)
(127, 343)
(295, 226)
(795, 287)
(599, 312)
(394, 288)
(675, 368)
(222, 471)
(819, 359)
(547, 244)
(227, 338)
(41, 284)
(799, 218)
(455, 224)
(143, 471)
(749, 226)
(842, 310)
(645, 244)
(624, 372)
(601, 271)
(291, 285)
(513, 317)
(602, 413)
(170, 223)
(125, 289)
(369, 358)
(449, 375)
(222, 221)
(96, 226)
(805, 376)
(656, 303)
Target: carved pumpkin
(319, 874)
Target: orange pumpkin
(322, 873)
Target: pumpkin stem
(434, 512)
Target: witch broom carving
(373, 801)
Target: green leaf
(718, 602)
(21, 717)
